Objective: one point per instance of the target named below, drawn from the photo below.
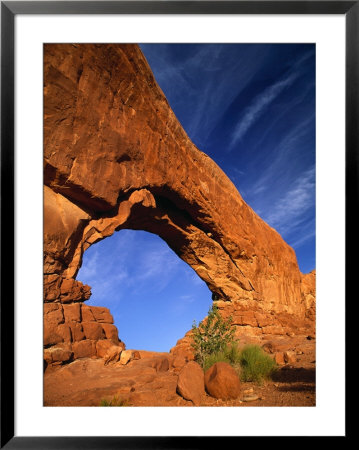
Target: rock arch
(115, 156)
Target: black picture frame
(9, 9)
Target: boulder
(58, 353)
(127, 356)
(222, 381)
(190, 384)
(290, 357)
(102, 347)
(113, 354)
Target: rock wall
(116, 157)
(77, 330)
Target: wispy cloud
(157, 267)
(132, 262)
(89, 265)
(291, 208)
(281, 157)
(305, 237)
(187, 298)
(258, 106)
(209, 79)
(284, 111)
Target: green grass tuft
(115, 401)
(255, 364)
(230, 355)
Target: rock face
(76, 330)
(116, 157)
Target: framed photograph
(175, 238)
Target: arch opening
(153, 295)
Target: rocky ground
(152, 379)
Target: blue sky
(153, 295)
(251, 108)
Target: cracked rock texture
(116, 157)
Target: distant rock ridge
(116, 157)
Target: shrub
(115, 401)
(209, 360)
(233, 354)
(212, 336)
(230, 355)
(255, 364)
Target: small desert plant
(115, 401)
(255, 364)
(233, 354)
(212, 336)
(214, 358)
(230, 355)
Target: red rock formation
(308, 294)
(116, 157)
(72, 331)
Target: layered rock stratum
(116, 157)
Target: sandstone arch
(116, 157)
